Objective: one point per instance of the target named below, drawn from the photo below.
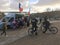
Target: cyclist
(34, 25)
(46, 24)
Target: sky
(34, 5)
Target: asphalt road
(41, 39)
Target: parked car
(9, 18)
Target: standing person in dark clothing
(40, 20)
(28, 21)
(21, 23)
(4, 28)
(46, 24)
(25, 19)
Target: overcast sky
(36, 5)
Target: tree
(48, 9)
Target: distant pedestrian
(40, 20)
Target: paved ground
(40, 39)
(12, 35)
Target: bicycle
(32, 32)
(52, 29)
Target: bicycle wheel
(30, 31)
(54, 30)
(42, 29)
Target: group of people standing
(16, 23)
(21, 22)
(25, 21)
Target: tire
(30, 31)
(43, 29)
(53, 30)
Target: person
(4, 28)
(46, 24)
(40, 23)
(34, 25)
(28, 20)
(40, 20)
(21, 23)
(14, 24)
(25, 19)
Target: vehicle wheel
(43, 29)
(54, 30)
